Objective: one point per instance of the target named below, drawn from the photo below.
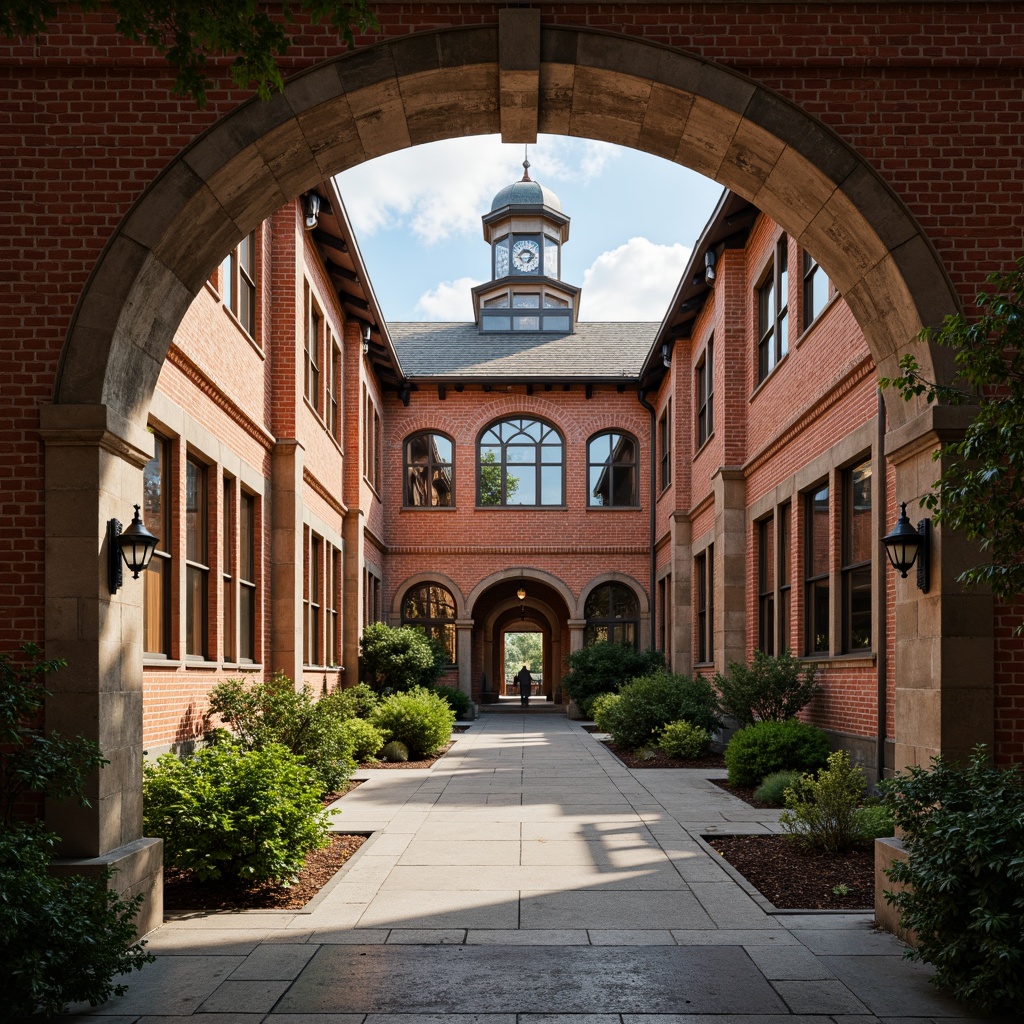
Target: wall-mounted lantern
(906, 545)
(133, 547)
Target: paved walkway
(529, 878)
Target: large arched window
(611, 470)
(432, 607)
(613, 614)
(520, 462)
(429, 471)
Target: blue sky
(416, 215)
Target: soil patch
(745, 793)
(182, 892)
(425, 762)
(793, 878)
(654, 758)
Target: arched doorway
(396, 94)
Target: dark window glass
(197, 566)
(816, 572)
(312, 357)
(665, 444)
(785, 578)
(611, 469)
(311, 647)
(227, 567)
(706, 394)
(520, 462)
(613, 615)
(333, 387)
(332, 592)
(432, 607)
(247, 579)
(773, 312)
(704, 573)
(766, 585)
(429, 471)
(156, 596)
(857, 558)
(817, 288)
(246, 310)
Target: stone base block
(138, 868)
(887, 852)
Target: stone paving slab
(636, 909)
(431, 979)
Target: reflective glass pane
(818, 556)
(551, 453)
(551, 485)
(556, 323)
(154, 638)
(820, 289)
(859, 598)
(521, 454)
(501, 258)
(859, 529)
(152, 494)
(599, 603)
(442, 448)
(550, 257)
(526, 300)
(417, 486)
(521, 488)
(599, 486)
(526, 323)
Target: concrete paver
(528, 877)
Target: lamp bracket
(924, 562)
(115, 575)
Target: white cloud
(636, 281)
(440, 189)
(449, 301)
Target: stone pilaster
(286, 558)
(730, 566)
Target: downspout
(640, 394)
(882, 647)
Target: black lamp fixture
(709, 266)
(133, 547)
(906, 544)
(310, 210)
(521, 594)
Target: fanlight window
(611, 470)
(429, 471)
(520, 462)
(613, 615)
(432, 607)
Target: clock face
(526, 256)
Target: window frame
(850, 570)
(197, 570)
(248, 551)
(614, 470)
(162, 563)
(312, 601)
(440, 628)
(612, 623)
(334, 384)
(773, 322)
(784, 573)
(766, 577)
(431, 467)
(704, 377)
(238, 277)
(229, 631)
(811, 269)
(665, 445)
(817, 583)
(538, 463)
(311, 352)
(704, 580)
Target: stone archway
(516, 77)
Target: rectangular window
(817, 637)
(817, 289)
(766, 585)
(311, 602)
(332, 593)
(665, 444)
(856, 570)
(197, 562)
(311, 353)
(371, 440)
(333, 386)
(705, 578)
(247, 579)
(371, 597)
(227, 565)
(773, 312)
(156, 595)
(246, 311)
(706, 394)
(785, 547)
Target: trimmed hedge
(765, 747)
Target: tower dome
(526, 192)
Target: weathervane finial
(526, 163)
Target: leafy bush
(274, 712)
(62, 940)
(457, 700)
(394, 751)
(821, 812)
(769, 689)
(397, 659)
(605, 668)
(235, 815)
(682, 739)
(355, 701)
(648, 704)
(362, 738)
(602, 709)
(874, 822)
(772, 789)
(419, 718)
(765, 747)
(963, 827)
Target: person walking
(525, 682)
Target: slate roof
(453, 352)
(526, 193)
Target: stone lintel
(929, 428)
(519, 73)
(95, 426)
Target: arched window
(613, 614)
(520, 462)
(611, 470)
(432, 607)
(429, 471)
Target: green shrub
(602, 708)
(769, 689)
(963, 827)
(362, 738)
(274, 712)
(457, 700)
(420, 719)
(235, 815)
(355, 701)
(394, 751)
(821, 812)
(62, 940)
(682, 739)
(874, 822)
(766, 747)
(395, 659)
(648, 704)
(605, 668)
(772, 789)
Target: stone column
(464, 654)
(730, 566)
(93, 474)
(286, 559)
(576, 627)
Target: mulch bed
(794, 879)
(745, 793)
(183, 893)
(654, 758)
(426, 762)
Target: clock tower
(526, 230)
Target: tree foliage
(981, 488)
(523, 649)
(605, 668)
(400, 658)
(191, 33)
